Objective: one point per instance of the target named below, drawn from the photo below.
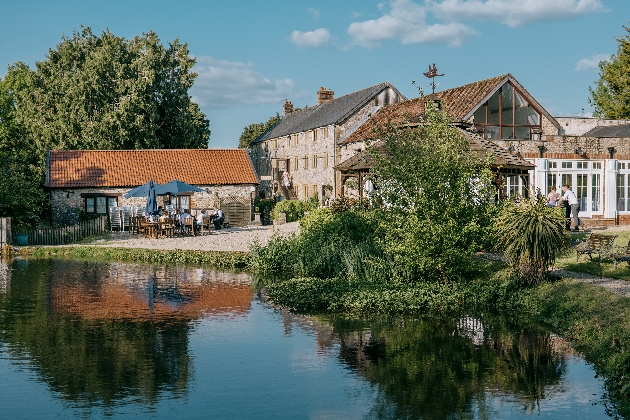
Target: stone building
(91, 181)
(305, 143)
(591, 155)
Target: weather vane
(431, 74)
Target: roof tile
(126, 168)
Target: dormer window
(507, 115)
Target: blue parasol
(177, 187)
(142, 190)
(152, 200)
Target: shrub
(530, 234)
(293, 208)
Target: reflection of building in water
(471, 328)
(130, 291)
(5, 277)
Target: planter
(22, 240)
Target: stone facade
(67, 204)
(310, 156)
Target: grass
(603, 268)
(224, 260)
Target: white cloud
(314, 12)
(314, 39)
(222, 84)
(511, 12)
(591, 63)
(355, 15)
(406, 21)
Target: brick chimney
(288, 107)
(324, 95)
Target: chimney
(288, 107)
(324, 95)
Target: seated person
(218, 218)
(185, 215)
(200, 217)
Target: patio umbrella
(142, 190)
(176, 187)
(151, 201)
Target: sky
(252, 55)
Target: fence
(237, 210)
(5, 230)
(68, 234)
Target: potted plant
(20, 232)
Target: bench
(624, 255)
(596, 244)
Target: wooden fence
(237, 210)
(68, 234)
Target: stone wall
(66, 204)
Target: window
(100, 204)
(326, 132)
(287, 141)
(275, 143)
(582, 165)
(325, 160)
(306, 162)
(305, 190)
(295, 163)
(567, 165)
(597, 165)
(507, 115)
(553, 165)
(313, 190)
(314, 161)
(315, 134)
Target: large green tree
(253, 131)
(436, 191)
(611, 95)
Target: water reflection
(109, 332)
(445, 368)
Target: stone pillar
(282, 218)
(610, 188)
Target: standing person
(285, 179)
(575, 207)
(553, 197)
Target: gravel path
(230, 239)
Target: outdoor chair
(189, 226)
(138, 211)
(127, 214)
(167, 228)
(114, 219)
(206, 221)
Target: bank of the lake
(592, 318)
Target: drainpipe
(334, 162)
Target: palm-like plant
(530, 234)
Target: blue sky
(254, 54)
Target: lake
(97, 340)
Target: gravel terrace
(229, 239)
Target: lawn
(603, 268)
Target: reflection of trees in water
(84, 326)
(430, 368)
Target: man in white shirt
(570, 197)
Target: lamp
(542, 149)
(612, 151)
(579, 151)
(511, 148)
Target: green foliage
(226, 260)
(313, 202)
(293, 208)
(611, 95)
(255, 130)
(530, 234)
(436, 192)
(20, 195)
(264, 204)
(107, 92)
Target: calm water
(93, 340)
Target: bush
(293, 208)
(530, 234)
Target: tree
(611, 96)
(255, 130)
(109, 93)
(436, 192)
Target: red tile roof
(127, 168)
(459, 102)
